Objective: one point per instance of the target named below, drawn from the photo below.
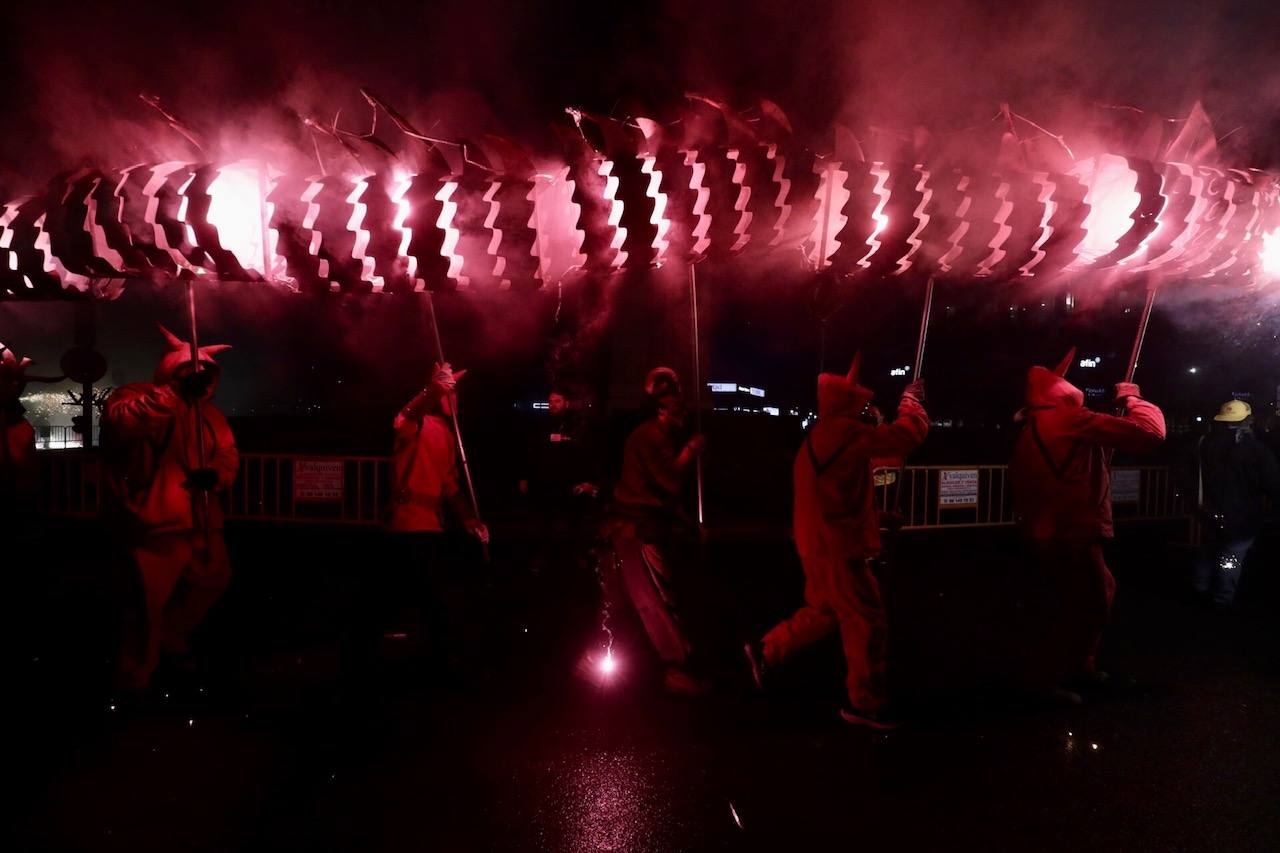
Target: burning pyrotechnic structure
(645, 196)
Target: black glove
(202, 479)
(193, 386)
(915, 391)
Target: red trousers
(1079, 590)
(843, 594)
(180, 582)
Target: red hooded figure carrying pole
(18, 473)
(1060, 475)
(167, 448)
(837, 533)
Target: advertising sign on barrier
(317, 480)
(958, 487)
(1126, 483)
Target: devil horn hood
(842, 395)
(1047, 387)
(1065, 364)
(179, 353)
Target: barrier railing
(979, 496)
(297, 488)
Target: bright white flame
(615, 212)
(833, 195)
(236, 211)
(1045, 197)
(1003, 230)
(742, 228)
(879, 217)
(700, 240)
(403, 181)
(922, 220)
(449, 209)
(608, 664)
(1270, 254)
(659, 218)
(1112, 200)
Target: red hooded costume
(1060, 471)
(837, 529)
(1060, 474)
(155, 479)
(17, 442)
(151, 447)
(424, 460)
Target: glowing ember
(607, 664)
(1270, 254)
(235, 210)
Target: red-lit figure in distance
(649, 526)
(1060, 474)
(425, 494)
(17, 446)
(158, 496)
(837, 532)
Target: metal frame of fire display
(634, 194)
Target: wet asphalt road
(270, 749)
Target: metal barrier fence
(269, 487)
(297, 488)
(937, 496)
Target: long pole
(453, 416)
(697, 380)
(822, 262)
(915, 376)
(201, 506)
(1141, 334)
(924, 329)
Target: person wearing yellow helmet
(1235, 471)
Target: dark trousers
(421, 573)
(644, 572)
(1222, 559)
(1073, 607)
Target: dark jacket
(1239, 470)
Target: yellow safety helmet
(1233, 411)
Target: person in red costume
(164, 501)
(1060, 476)
(426, 501)
(837, 533)
(17, 447)
(648, 525)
